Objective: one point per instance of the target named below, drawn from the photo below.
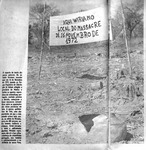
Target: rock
(118, 129)
(96, 86)
(98, 130)
(78, 132)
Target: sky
(72, 6)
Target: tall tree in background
(133, 13)
(37, 16)
(128, 22)
(133, 16)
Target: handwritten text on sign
(83, 27)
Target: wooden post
(108, 78)
(42, 43)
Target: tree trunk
(126, 40)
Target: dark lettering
(57, 35)
(95, 33)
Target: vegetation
(133, 17)
(72, 82)
(37, 16)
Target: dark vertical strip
(108, 76)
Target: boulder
(93, 129)
(96, 86)
(118, 129)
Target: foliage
(37, 15)
(133, 17)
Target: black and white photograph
(71, 62)
(72, 74)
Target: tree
(37, 16)
(126, 23)
(133, 13)
(133, 16)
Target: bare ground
(73, 84)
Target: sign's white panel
(83, 27)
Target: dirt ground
(73, 83)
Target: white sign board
(83, 27)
